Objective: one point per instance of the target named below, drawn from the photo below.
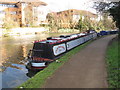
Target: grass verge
(39, 79)
(113, 64)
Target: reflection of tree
(31, 73)
(5, 65)
(2, 69)
(12, 54)
(24, 50)
(3, 56)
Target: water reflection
(13, 77)
(13, 64)
(13, 54)
(12, 60)
(3, 53)
(24, 50)
(31, 73)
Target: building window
(7, 5)
(13, 13)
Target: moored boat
(46, 51)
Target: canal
(14, 50)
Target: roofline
(93, 15)
(22, 1)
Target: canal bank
(32, 31)
(54, 73)
(40, 78)
(22, 31)
(86, 69)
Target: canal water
(13, 58)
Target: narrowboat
(46, 51)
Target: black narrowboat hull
(47, 51)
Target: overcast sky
(60, 5)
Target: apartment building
(71, 17)
(23, 12)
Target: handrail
(37, 50)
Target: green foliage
(53, 23)
(115, 12)
(112, 65)
(108, 22)
(84, 24)
(40, 78)
(101, 7)
(9, 23)
(80, 25)
(112, 8)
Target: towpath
(86, 69)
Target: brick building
(70, 17)
(24, 12)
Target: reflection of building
(71, 16)
(24, 51)
(3, 56)
(12, 59)
(23, 12)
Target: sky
(61, 5)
